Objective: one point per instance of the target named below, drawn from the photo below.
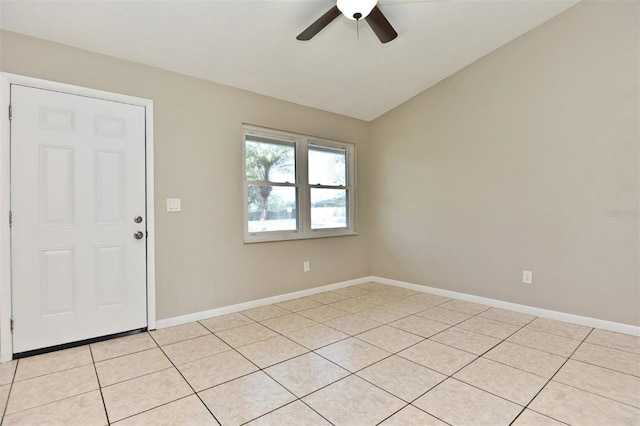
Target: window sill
(289, 237)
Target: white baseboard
(539, 312)
(196, 316)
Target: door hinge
(10, 218)
(10, 112)
(12, 324)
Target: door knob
(137, 219)
(138, 235)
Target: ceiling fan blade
(381, 26)
(319, 24)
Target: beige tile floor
(364, 355)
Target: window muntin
(296, 186)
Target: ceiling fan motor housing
(356, 9)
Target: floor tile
(445, 316)
(577, 407)
(4, 397)
(560, 328)
(193, 349)
(545, 342)
(272, 351)
(134, 396)
(186, 411)
(288, 322)
(246, 398)
(389, 338)
(166, 336)
(352, 291)
(122, 346)
(352, 305)
(442, 358)
(352, 354)
(373, 286)
(401, 377)
(407, 306)
(225, 322)
(412, 416)
(294, 414)
(299, 304)
(7, 371)
(315, 336)
(382, 314)
(265, 312)
(613, 340)
(510, 383)
(213, 370)
(509, 317)
(418, 325)
(624, 362)
(601, 381)
(42, 390)
(531, 418)
(129, 366)
(428, 300)
(466, 340)
(52, 362)
(396, 292)
(246, 334)
(528, 359)
(352, 324)
(327, 297)
(489, 327)
(306, 373)
(81, 410)
(460, 404)
(353, 401)
(465, 307)
(379, 299)
(323, 313)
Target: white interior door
(77, 183)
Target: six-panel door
(77, 183)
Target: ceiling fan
(354, 10)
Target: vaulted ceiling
(251, 44)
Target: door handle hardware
(138, 235)
(137, 219)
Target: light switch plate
(174, 204)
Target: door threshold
(76, 344)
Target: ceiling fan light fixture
(356, 9)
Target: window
(296, 186)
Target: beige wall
(512, 163)
(202, 262)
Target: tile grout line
(13, 379)
(549, 381)
(95, 370)
(268, 375)
(183, 378)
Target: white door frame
(6, 79)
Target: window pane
(272, 208)
(327, 166)
(270, 161)
(328, 208)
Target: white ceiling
(251, 44)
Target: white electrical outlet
(306, 266)
(527, 277)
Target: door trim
(6, 79)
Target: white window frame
(302, 185)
